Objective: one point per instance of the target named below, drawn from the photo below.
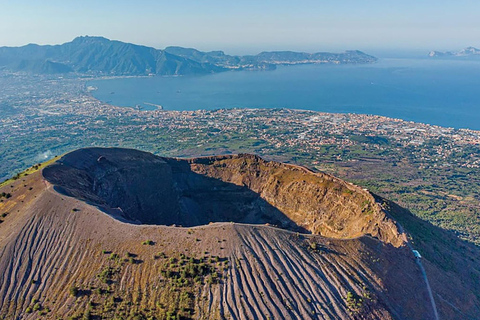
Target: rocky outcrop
(317, 202)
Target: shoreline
(389, 88)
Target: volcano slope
(124, 234)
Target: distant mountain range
(101, 56)
(469, 52)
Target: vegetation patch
(30, 170)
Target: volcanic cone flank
(119, 233)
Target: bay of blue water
(441, 92)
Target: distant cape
(102, 56)
(469, 52)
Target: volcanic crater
(141, 188)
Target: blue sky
(248, 26)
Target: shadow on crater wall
(139, 187)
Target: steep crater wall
(139, 187)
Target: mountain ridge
(102, 56)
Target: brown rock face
(141, 188)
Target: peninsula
(103, 57)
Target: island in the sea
(101, 56)
(469, 52)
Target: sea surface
(441, 92)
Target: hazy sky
(248, 26)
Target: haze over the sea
(248, 27)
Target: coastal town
(431, 170)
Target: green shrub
(114, 256)
(74, 291)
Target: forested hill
(101, 56)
